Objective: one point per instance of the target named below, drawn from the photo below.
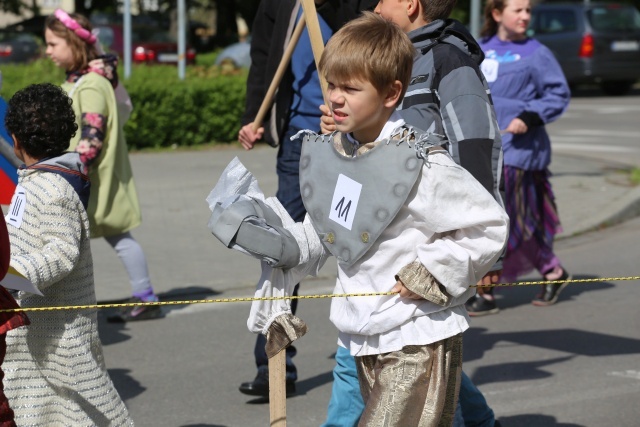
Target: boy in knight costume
(399, 215)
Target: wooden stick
(284, 63)
(315, 35)
(277, 364)
(278, 389)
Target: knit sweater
(55, 372)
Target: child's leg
(415, 387)
(132, 256)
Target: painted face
(513, 20)
(396, 12)
(358, 108)
(58, 50)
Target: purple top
(526, 81)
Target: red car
(148, 45)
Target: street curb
(618, 212)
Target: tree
(17, 6)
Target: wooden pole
(284, 63)
(277, 364)
(278, 389)
(317, 44)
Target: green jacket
(113, 204)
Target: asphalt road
(572, 364)
(601, 127)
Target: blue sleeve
(551, 86)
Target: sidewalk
(187, 262)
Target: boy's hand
(517, 126)
(404, 292)
(248, 137)
(490, 278)
(327, 125)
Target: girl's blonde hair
(81, 51)
(372, 49)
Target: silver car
(593, 42)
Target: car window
(7, 37)
(151, 36)
(555, 21)
(614, 18)
(106, 36)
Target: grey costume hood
(69, 167)
(446, 31)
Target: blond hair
(81, 51)
(372, 49)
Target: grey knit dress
(55, 374)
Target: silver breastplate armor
(352, 200)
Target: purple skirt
(534, 222)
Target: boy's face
(58, 50)
(358, 108)
(396, 11)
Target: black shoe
(481, 306)
(549, 294)
(260, 385)
(136, 312)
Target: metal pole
(475, 18)
(182, 58)
(6, 151)
(127, 38)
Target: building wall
(46, 7)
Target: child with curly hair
(55, 370)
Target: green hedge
(204, 108)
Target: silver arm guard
(255, 227)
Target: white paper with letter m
(345, 201)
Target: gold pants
(415, 387)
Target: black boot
(260, 385)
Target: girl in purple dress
(529, 90)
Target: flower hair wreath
(73, 25)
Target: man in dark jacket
(295, 108)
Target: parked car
(237, 54)
(18, 47)
(593, 42)
(148, 45)
(33, 25)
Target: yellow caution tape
(251, 299)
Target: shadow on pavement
(308, 384)
(110, 333)
(185, 294)
(570, 341)
(203, 425)
(508, 297)
(533, 420)
(176, 294)
(127, 386)
(302, 387)
(517, 371)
